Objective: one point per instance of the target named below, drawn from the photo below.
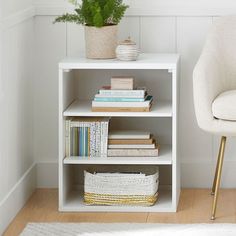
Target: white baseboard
(17, 197)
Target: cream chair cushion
(224, 106)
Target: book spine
(116, 99)
(131, 141)
(118, 96)
(89, 142)
(91, 139)
(86, 141)
(131, 146)
(121, 109)
(75, 141)
(67, 138)
(121, 104)
(133, 152)
(98, 139)
(106, 137)
(80, 141)
(122, 92)
(102, 139)
(94, 139)
(84, 128)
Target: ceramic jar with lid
(127, 50)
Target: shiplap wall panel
(16, 102)
(184, 35)
(129, 27)
(75, 39)
(50, 44)
(195, 145)
(157, 34)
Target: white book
(67, 138)
(119, 96)
(102, 139)
(136, 92)
(92, 139)
(106, 138)
(129, 134)
(131, 146)
(133, 152)
(123, 104)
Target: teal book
(117, 99)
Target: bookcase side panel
(66, 97)
(175, 161)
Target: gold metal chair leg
(218, 175)
(216, 171)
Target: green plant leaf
(96, 13)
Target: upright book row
(86, 137)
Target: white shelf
(145, 61)
(165, 158)
(74, 203)
(83, 108)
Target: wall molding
(54, 8)
(17, 197)
(17, 18)
(142, 8)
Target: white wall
(157, 26)
(16, 102)
(30, 49)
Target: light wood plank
(194, 207)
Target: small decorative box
(127, 50)
(122, 82)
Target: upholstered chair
(214, 86)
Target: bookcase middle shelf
(164, 158)
(83, 108)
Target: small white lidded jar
(127, 50)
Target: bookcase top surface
(145, 61)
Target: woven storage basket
(101, 42)
(120, 189)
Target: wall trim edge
(16, 198)
(17, 18)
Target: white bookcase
(79, 80)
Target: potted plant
(100, 18)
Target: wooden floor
(194, 207)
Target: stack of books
(132, 144)
(121, 96)
(86, 137)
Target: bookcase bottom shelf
(74, 203)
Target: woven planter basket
(101, 42)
